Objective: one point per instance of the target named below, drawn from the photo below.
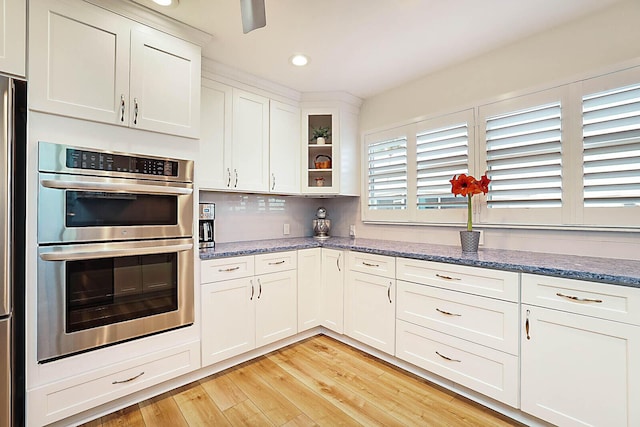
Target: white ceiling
(367, 46)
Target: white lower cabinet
(228, 319)
(448, 325)
(62, 399)
(244, 313)
(579, 367)
(332, 295)
(309, 288)
(370, 310)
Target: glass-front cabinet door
(321, 153)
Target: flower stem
(469, 213)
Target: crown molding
(146, 16)
(218, 71)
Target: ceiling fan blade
(253, 15)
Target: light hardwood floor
(319, 381)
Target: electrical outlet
(352, 230)
(481, 240)
(286, 230)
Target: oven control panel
(93, 160)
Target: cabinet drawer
(482, 320)
(277, 261)
(474, 280)
(612, 302)
(215, 270)
(68, 397)
(488, 371)
(380, 265)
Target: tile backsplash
(242, 217)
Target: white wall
(597, 43)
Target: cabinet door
(333, 265)
(579, 370)
(370, 310)
(13, 36)
(215, 136)
(319, 179)
(165, 83)
(78, 61)
(250, 142)
(309, 288)
(228, 319)
(284, 148)
(276, 307)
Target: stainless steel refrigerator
(13, 115)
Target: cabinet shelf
(312, 146)
(312, 170)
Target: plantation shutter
(387, 174)
(524, 158)
(611, 143)
(441, 154)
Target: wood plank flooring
(319, 381)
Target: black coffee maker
(206, 229)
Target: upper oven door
(77, 208)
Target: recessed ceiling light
(299, 60)
(166, 2)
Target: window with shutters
(440, 154)
(524, 158)
(442, 149)
(387, 175)
(568, 156)
(521, 146)
(611, 149)
(611, 144)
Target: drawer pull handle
(526, 325)
(252, 290)
(447, 277)
(277, 262)
(389, 292)
(571, 297)
(448, 358)
(338, 261)
(370, 265)
(130, 379)
(228, 270)
(447, 313)
(259, 288)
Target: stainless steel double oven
(115, 248)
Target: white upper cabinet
(165, 83)
(284, 148)
(250, 148)
(330, 166)
(13, 36)
(88, 63)
(215, 136)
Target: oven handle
(108, 186)
(72, 255)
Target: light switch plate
(286, 230)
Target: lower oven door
(96, 294)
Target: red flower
(464, 185)
(467, 186)
(484, 183)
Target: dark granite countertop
(606, 270)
